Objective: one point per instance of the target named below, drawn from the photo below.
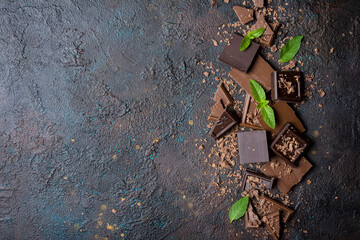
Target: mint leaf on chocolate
(238, 209)
(245, 43)
(259, 95)
(290, 49)
(268, 115)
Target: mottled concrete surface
(96, 97)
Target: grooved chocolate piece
(216, 111)
(272, 223)
(253, 180)
(223, 94)
(245, 15)
(253, 147)
(268, 205)
(283, 114)
(224, 123)
(286, 175)
(232, 55)
(286, 86)
(250, 113)
(260, 71)
(251, 218)
(289, 144)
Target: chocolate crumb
(321, 92)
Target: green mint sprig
(245, 43)
(238, 209)
(266, 111)
(290, 49)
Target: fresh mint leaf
(290, 49)
(256, 33)
(268, 115)
(238, 209)
(262, 104)
(245, 43)
(257, 91)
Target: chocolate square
(253, 180)
(286, 86)
(232, 55)
(253, 147)
(224, 123)
(289, 144)
(286, 175)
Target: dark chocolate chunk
(245, 15)
(286, 175)
(268, 205)
(260, 71)
(224, 123)
(289, 144)
(249, 115)
(286, 86)
(253, 180)
(251, 218)
(253, 147)
(232, 55)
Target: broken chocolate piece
(289, 144)
(251, 218)
(253, 180)
(216, 111)
(268, 205)
(268, 36)
(283, 114)
(272, 223)
(224, 123)
(286, 86)
(223, 95)
(260, 72)
(245, 15)
(287, 175)
(253, 147)
(250, 113)
(258, 3)
(232, 55)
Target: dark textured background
(87, 86)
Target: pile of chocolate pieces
(285, 166)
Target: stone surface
(101, 103)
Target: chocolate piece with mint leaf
(287, 86)
(249, 114)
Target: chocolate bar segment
(223, 94)
(268, 205)
(216, 111)
(289, 144)
(260, 71)
(286, 86)
(224, 123)
(283, 114)
(251, 218)
(253, 147)
(250, 113)
(232, 55)
(253, 180)
(286, 175)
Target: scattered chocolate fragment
(250, 113)
(289, 144)
(322, 93)
(258, 3)
(253, 147)
(251, 218)
(253, 180)
(272, 223)
(286, 86)
(224, 123)
(268, 205)
(286, 175)
(223, 95)
(260, 71)
(216, 111)
(283, 114)
(245, 15)
(232, 55)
